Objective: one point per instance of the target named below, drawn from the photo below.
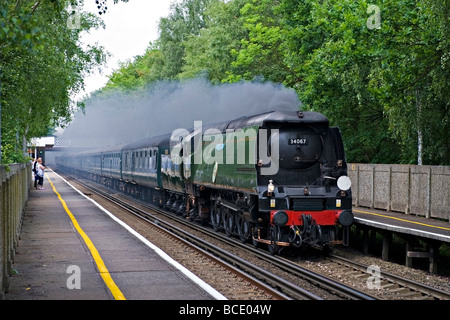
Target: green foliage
(41, 65)
(262, 52)
(380, 73)
(211, 51)
(186, 19)
(395, 71)
(138, 73)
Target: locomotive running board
(287, 244)
(229, 205)
(278, 243)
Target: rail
(393, 282)
(284, 286)
(231, 262)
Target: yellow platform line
(118, 295)
(385, 216)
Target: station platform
(72, 249)
(401, 223)
(411, 228)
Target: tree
(380, 72)
(41, 65)
(210, 52)
(263, 50)
(186, 19)
(138, 73)
(385, 87)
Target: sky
(130, 27)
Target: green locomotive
(277, 178)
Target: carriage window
(150, 160)
(139, 158)
(153, 160)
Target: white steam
(166, 106)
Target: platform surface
(407, 224)
(54, 261)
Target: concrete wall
(14, 191)
(411, 189)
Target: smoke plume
(165, 106)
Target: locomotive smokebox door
(300, 147)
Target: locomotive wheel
(228, 221)
(216, 217)
(274, 235)
(243, 228)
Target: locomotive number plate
(298, 141)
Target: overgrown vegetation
(380, 72)
(42, 64)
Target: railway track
(214, 265)
(385, 283)
(234, 284)
(258, 283)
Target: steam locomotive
(277, 178)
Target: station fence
(14, 191)
(410, 189)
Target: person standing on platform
(40, 174)
(34, 169)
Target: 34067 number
(298, 141)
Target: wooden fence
(14, 191)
